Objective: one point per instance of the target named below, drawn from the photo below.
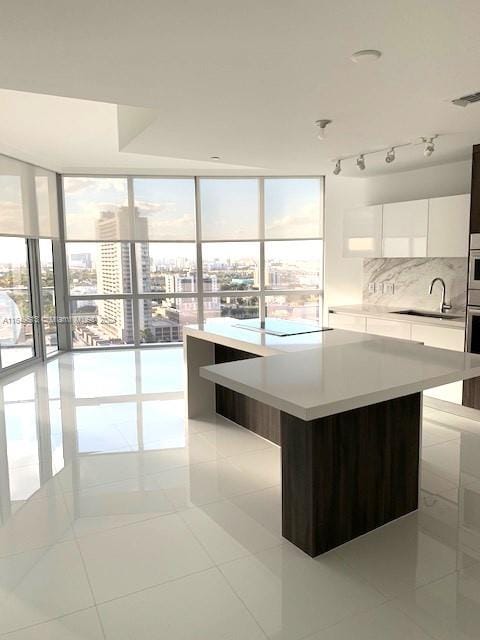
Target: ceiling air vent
(464, 101)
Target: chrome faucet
(444, 307)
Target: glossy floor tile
(201, 484)
(36, 586)
(37, 523)
(292, 595)
(83, 625)
(381, 623)
(141, 555)
(401, 556)
(447, 608)
(228, 532)
(120, 518)
(197, 607)
(115, 504)
(445, 459)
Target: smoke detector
(365, 55)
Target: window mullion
(35, 298)
(134, 290)
(261, 298)
(198, 240)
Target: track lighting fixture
(322, 125)
(361, 162)
(429, 146)
(390, 157)
(390, 152)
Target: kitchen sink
(427, 314)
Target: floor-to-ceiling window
(145, 256)
(16, 330)
(29, 227)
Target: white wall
(343, 276)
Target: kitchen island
(345, 408)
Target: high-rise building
(175, 283)
(80, 261)
(113, 277)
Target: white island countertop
(340, 371)
(224, 331)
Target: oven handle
(471, 311)
(472, 283)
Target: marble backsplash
(411, 278)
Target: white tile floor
(121, 520)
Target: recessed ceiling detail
(131, 121)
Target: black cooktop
(278, 327)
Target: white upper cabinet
(362, 232)
(448, 226)
(405, 228)
(437, 228)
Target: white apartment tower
(113, 276)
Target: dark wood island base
(349, 473)
(342, 475)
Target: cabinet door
(389, 328)
(405, 226)
(448, 222)
(362, 232)
(352, 323)
(443, 338)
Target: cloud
(147, 208)
(77, 185)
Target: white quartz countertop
(342, 371)
(222, 331)
(388, 313)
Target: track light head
(361, 162)
(429, 146)
(322, 125)
(390, 157)
(338, 167)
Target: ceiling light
(214, 157)
(322, 125)
(390, 157)
(338, 168)
(429, 147)
(366, 55)
(470, 98)
(361, 162)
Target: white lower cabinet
(443, 338)
(351, 323)
(389, 328)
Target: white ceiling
(244, 80)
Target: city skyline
(162, 315)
